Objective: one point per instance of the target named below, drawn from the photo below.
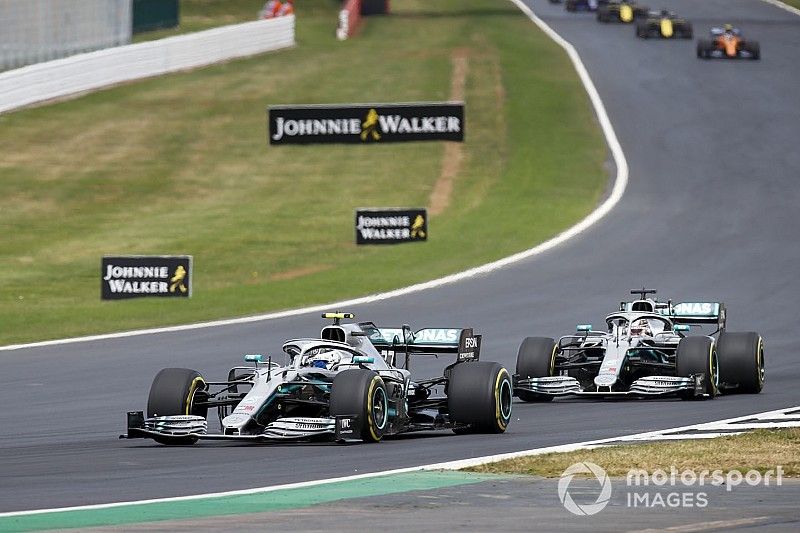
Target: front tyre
(753, 48)
(741, 358)
(177, 391)
(480, 395)
(362, 392)
(536, 359)
(698, 355)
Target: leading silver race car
(643, 352)
(353, 382)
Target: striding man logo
(369, 128)
(178, 280)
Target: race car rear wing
(696, 313)
(428, 341)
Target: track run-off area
(709, 214)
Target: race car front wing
(650, 386)
(338, 428)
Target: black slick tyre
(536, 359)
(479, 395)
(176, 391)
(741, 361)
(753, 48)
(698, 355)
(704, 47)
(362, 392)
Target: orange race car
(727, 43)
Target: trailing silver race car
(353, 382)
(643, 352)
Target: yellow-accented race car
(624, 11)
(664, 24)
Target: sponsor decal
(696, 309)
(469, 346)
(437, 336)
(391, 226)
(146, 275)
(346, 427)
(366, 123)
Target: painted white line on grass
(785, 7)
(620, 183)
(448, 465)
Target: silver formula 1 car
(351, 383)
(644, 351)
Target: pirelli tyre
(752, 48)
(177, 391)
(704, 48)
(362, 392)
(479, 396)
(536, 359)
(741, 362)
(698, 355)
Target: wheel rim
(380, 412)
(760, 356)
(505, 399)
(714, 370)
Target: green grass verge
(760, 450)
(198, 15)
(180, 165)
(793, 3)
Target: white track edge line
(448, 465)
(785, 7)
(620, 183)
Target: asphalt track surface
(710, 214)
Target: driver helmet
(326, 359)
(728, 28)
(665, 12)
(641, 327)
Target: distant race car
(624, 11)
(643, 352)
(664, 24)
(583, 5)
(728, 42)
(342, 386)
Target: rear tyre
(687, 32)
(570, 5)
(741, 357)
(176, 391)
(641, 30)
(536, 359)
(362, 392)
(480, 395)
(698, 355)
(603, 15)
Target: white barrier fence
(32, 31)
(87, 72)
